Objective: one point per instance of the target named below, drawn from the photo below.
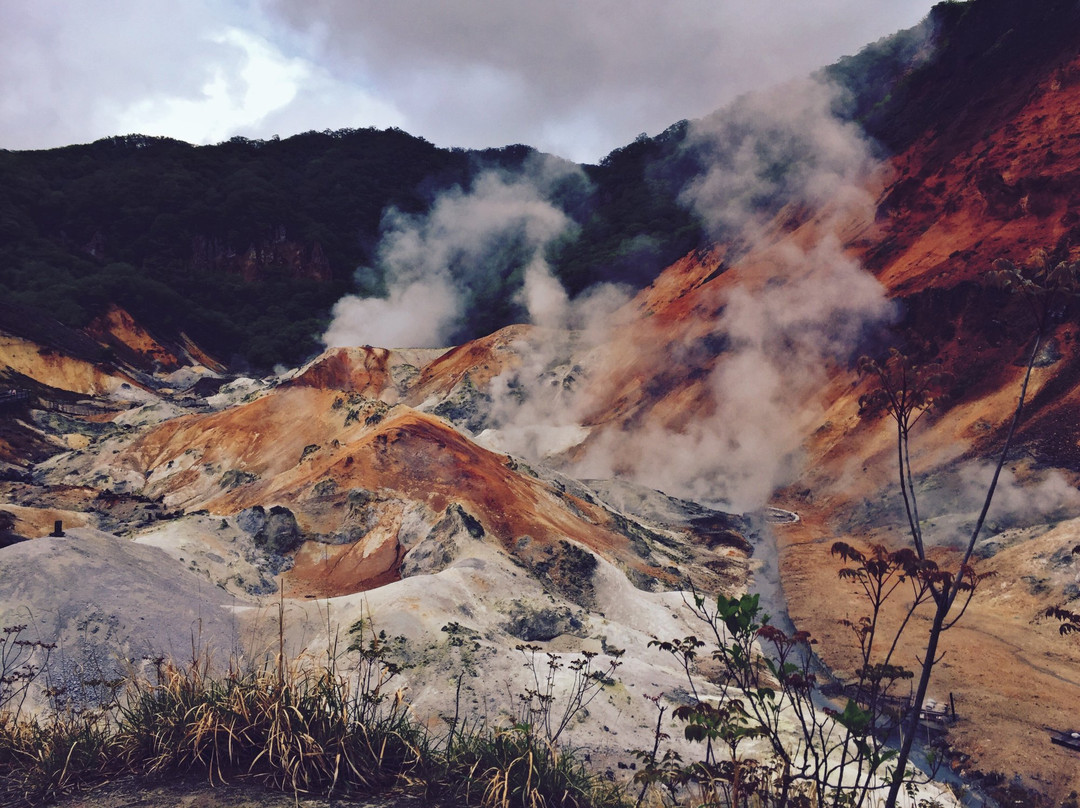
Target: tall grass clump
(295, 727)
(296, 724)
(43, 758)
(42, 755)
(333, 726)
(514, 767)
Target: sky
(576, 78)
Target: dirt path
(197, 793)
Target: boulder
(274, 532)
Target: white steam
(537, 407)
(415, 313)
(732, 397)
(543, 296)
(777, 339)
(1021, 502)
(468, 254)
(953, 503)
(785, 144)
(780, 339)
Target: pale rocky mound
(110, 605)
(321, 487)
(367, 480)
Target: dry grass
(516, 768)
(330, 728)
(298, 729)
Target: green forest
(245, 245)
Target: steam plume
(785, 147)
(739, 437)
(537, 407)
(455, 273)
(1020, 500)
(770, 148)
(779, 339)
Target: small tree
(820, 755)
(906, 391)
(22, 661)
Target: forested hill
(246, 245)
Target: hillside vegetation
(246, 245)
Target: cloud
(68, 69)
(240, 92)
(473, 263)
(577, 79)
(199, 71)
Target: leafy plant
(769, 691)
(21, 663)
(905, 391)
(537, 709)
(1070, 620)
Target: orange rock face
(307, 447)
(945, 210)
(116, 326)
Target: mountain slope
(475, 484)
(991, 177)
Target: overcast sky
(573, 77)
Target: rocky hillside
(993, 179)
(197, 500)
(986, 179)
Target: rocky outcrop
(440, 547)
(276, 253)
(128, 341)
(275, 531)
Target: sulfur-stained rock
(439, 548)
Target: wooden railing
(13, 398)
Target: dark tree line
(246, 245)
